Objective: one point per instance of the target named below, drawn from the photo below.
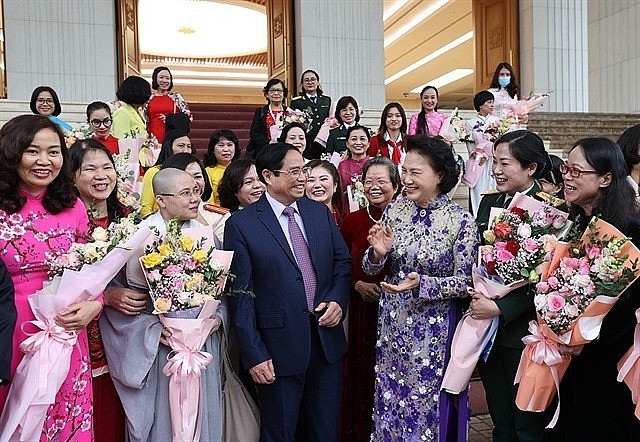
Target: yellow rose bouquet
(186, 279)
(183, 273)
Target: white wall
(69, 45)
(554, 51)
(614, 56)
(343, 42)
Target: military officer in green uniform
(317, 105)
(519, 160)
(347, 114)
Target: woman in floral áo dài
(39, 214)
(431, 244)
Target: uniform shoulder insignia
(490, 192)
(553, 200)
(297, 97)
(216, 209)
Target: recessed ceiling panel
(200, 29)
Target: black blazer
(258, 132)
(8, 317)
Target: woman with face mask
(504, 87)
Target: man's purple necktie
(303, 256)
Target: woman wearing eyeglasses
(312, 100)
(100, 119)
(519, 160)
(595, 180)
(45, 102)
(272, 114)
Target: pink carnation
(542, 287)
(593, 251)
(171, 270)
(530, 245)
(555, 302)
(504, 255)
(553, 282)
(154, 276)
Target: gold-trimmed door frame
(280, 48)
(129, 59)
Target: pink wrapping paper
(46, 363)
(629, 367)
(473, 169)
(185, 365)
(471, 337)
(539, 377)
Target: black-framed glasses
(96, 123)
(296, 171)
(310, 80)
(45, 100)
(185, 194)
(574, 172)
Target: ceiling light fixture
(445, 79)
(455, 43)
(392, 9)
(415, 22)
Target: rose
(518, 211)
(489, 236)
(504, 255)
(572, 310)
(555, 303)
(215, 264)
(171, 270)
(200, 255)
(92, 251)
(542, 287)
(165, 249)
(524, 231)
(100, 234)
(183, 297)
(154, 276)
(559, 222)
(151, 260)
(512, 247)
(187, 243)
(530, 245)
(161, 305)
(502, 229)
(491, 268)
(553, 282)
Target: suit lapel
(268, 219)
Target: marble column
(69, 45)
(554, 53)
(343, 42)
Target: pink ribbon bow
(631, 361)
(542, 351)
(40, 341)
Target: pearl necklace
(375, 221)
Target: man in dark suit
(290, 254)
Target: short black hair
(181, 161)
(273, 82)
(134, 90)
(439, 155)
(210, 157)
(272, 158)
(97, 105)
(302, 91)
(481, 98)
(166, 150)
(154, 77)
(629, 143)
(77, 152)
(231, 182)
(342, 103)
(56, 101)
(527, 148)
(288, 127)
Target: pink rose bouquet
(516, 244)
(582, 283)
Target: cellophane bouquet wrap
(79, 275)
(582, 282)
(629, 367)
(186, 277)
(517, 244)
